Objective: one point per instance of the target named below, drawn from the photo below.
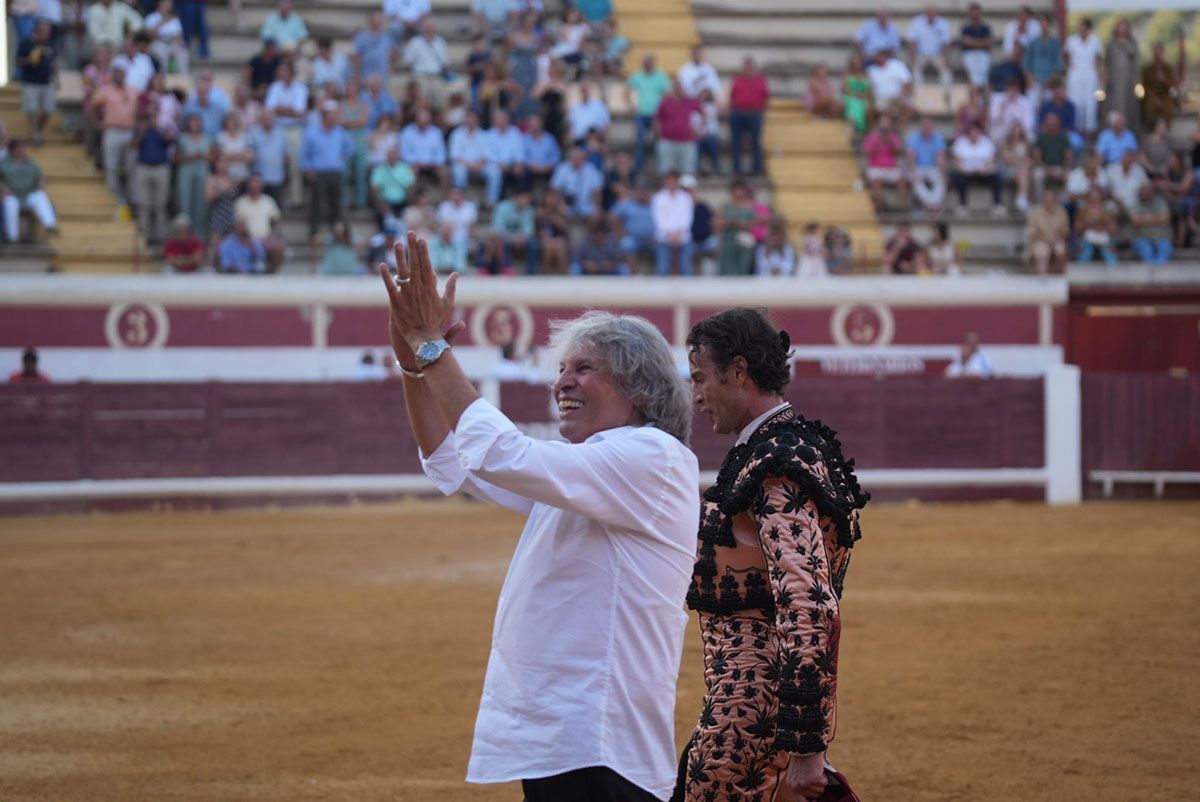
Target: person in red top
(183, 251)
(884, 150)
(748, 96)
(675, 125)
(29, 373)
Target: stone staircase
(93, 238)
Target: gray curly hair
(640, 361)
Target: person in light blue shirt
(270, 154)
(1042, 59)
(238, 253)
(927, 162)
(471, 157)
(878, 34)
(422, 146)
(508, 154)
(324, 151)
(285, 27)
(636, 219)
(595, 11)
(209, 102)
(1116, 139)
(579, 182)
(374, 49)
(379, 102)
(492, 17)
(542, 153)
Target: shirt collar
(749, 431)
(616, 432)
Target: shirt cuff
(442, 467)
(479, 427)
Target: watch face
(430, 351)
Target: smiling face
(717, 393)
(587, 397)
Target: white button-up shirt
(590, 622)
(695, 78)
(673, 214)
(929, 37)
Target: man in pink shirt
(114, 107)
(884, 150)
(748, 96)
(675, 124)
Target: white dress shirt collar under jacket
(590, 622)
(750, 429)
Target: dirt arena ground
(990, 652)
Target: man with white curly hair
(579, 697)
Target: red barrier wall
(117, 431)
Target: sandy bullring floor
(990, 652)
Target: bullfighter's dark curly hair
(747, 333)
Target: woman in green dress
(856, 94)
(193, 154)
(353, 113)
(737, 223)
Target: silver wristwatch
(430, 351)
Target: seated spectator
(324, 153)
(856, 94)
(697, 75)
(459, 213)
(404, 17)
(903, 254)
(579, 182)
(599, 254)
(927, 165)
(381, 106)
(37, 59)
(270, 154)
(1021, 31)
(422, 146)
(928, 36)
(420, 217)
(1115, 140)
(507, 154)
(261, 213)
(776, 256)
(1095, 227)
(513, 230)
(260, 70)
(165, 30)
(1042, 60)
(568, 40)
(884, 152)
(22, 187)
(1053, 157)
(676, 132)
(29, 373)
(1008, 70)
(554, 233)
(975, 161)
(542, 152)
(839, 249)
(340, 255)
(135, 59)
(1151, 220)
(390, 185)
(673, 208)
(814, 253)
(470, 157)
(971, 112)
(493, 18)
(821, 98)
(1179, 188)
(329, 66)
(633, 220)
(942, 253)
(618, 180)
(1057, 104)
(285, 27)
(589, 114)
(108, 21)
(375, 51)
(1157, 151)
(878, 35)
(381, 248)
(1047, 229)
(970, 362)
(1016, 161)
(891, 85)
(447, 250)
(183, 251)
(975, 40)
(238, 253)
(1125, 179)
(704, 219)
(429, 62)
(1007, 110)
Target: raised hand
(418, 312)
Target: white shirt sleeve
(618, 481)
(448, 476)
